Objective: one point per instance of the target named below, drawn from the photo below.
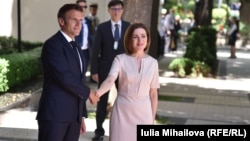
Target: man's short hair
(67, 7)
(78, 1)
(93, 5)
(115, 2)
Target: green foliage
(181, 66)
(200, 57)
(196, 47)
(9, 45)
(190, 5)
(169, 4)
(201, 45)
(27, 45)
(186, 67)
(219, 13)
(23, 66)
(244, 32)
(210, 37)
(200, 69)
(19, 66)
(3, 77)
(244, 29)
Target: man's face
(84, 6)
(115, 12)
(72, 23)
(93, 11)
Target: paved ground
(224, 100)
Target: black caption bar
(204, 132)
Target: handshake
(93, 97)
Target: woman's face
(139, 39)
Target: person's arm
(106, 85)
(83, 127)
(93, 98)
(111, 78)
(154, 101)
(153, 92)
(232, 29)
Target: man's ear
(61, 21)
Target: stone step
(23, 134)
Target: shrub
(9, 45)
(200, 69)
(3, 77)
(183, 67)
(201, 46)
(22, 66)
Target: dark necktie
(116, 34)
(75, 47)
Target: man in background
(169, 26)
(93, 7)
(85, 38)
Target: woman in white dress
(138, 83)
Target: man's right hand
(93, 98)
(95, 77)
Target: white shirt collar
(66, 36)
(83, 20)
(113, 23)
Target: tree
(145, 11)
(203, 12)
(244, 11)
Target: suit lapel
(109, 27)
(69, 48)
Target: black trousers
(101, 114)
(173, 41)
(86, 55)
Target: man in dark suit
(108, 42)
(84, 39)
(93, 8)
(62, 106)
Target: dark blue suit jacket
(103, 52)
(64, 92)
